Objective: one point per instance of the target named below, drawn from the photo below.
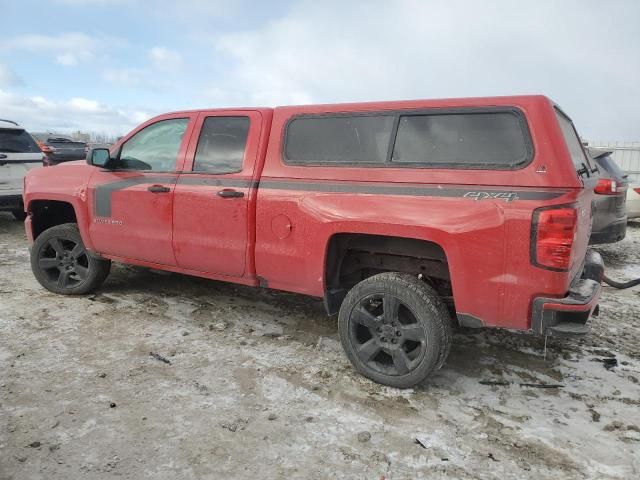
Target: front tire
(394, 329)
(61, 263)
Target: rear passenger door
(213, 194)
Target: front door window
(155, 147)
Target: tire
(395, 329)
(19, 214)
(61, 264)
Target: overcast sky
(107, 65)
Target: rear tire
(395, 329)
(61, 263)
(19, 214)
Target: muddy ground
(254, 385)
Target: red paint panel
(140, 222)
(211, 232)
(487, 242)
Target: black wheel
(62, 265)
(19, 214)
(395, 329)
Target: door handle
(158, 189)
(230, 193)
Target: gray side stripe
(102, 206)
(478, 192)
(414, 191)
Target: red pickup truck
(407, 217)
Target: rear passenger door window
(221, 145)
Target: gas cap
(281, 226)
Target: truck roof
(393, 104)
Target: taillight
(606, 186)
(553, 234)
(46, 148)
(637, 190)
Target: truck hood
(71, 163)
(65, 182)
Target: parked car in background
(633, 201)
(609, 216)
(18, 153)
(60, 148)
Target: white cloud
(165, 59)
(9, 78)
(69, 49)
(67, 59)
(160, 59)
(125, 77)
(38, 113)
(352, 51)
(84, 105)
(91, 3)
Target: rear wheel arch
(353, 257)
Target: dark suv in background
(60, 148)
(609, 214)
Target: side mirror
(98, 157)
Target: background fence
(626, 154)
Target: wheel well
(49, 213)
(353, 257)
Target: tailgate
(13, 168)
(69, 150)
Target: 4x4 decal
(482, 195)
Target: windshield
(17, 141)
(578, 156)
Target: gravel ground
(249, 383)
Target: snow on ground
(257, 387)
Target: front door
(212, 197)
(132, 200)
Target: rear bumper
(614, 232)
(10, 202)
(572, 311)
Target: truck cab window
(221, 145)
(154, 147)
